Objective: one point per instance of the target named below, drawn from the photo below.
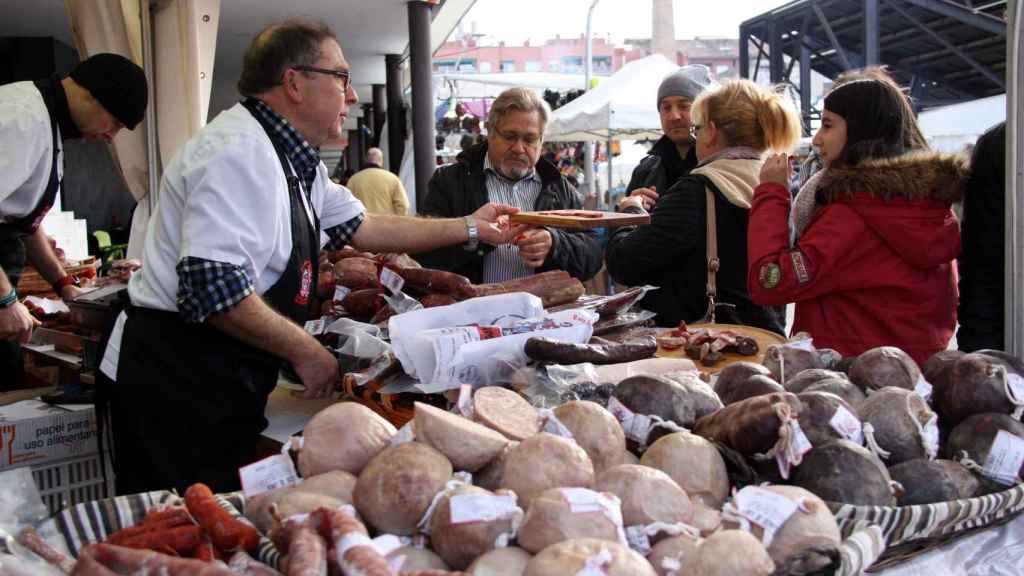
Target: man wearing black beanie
(103, 94)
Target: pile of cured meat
(708, 345)
(668, 474)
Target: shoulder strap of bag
(713, 263)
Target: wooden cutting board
(764, 338)
(566, 219)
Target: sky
(538, 20)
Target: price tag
(801, 445)
(273, 472)
(316, 327)
(405, 434)
(340, 292)
(1005, 458)
(794, 451)
(923, 388)
(638, 540)
(1016, 384)
(391, 280)
(847, 425)
(767, 509)
(466, 508)
(465, 403)
(637, 427)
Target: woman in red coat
(873, 259)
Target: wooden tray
(555, 220)
(764, 338)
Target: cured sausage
(429, 280)
(553, 288)
(542, 349)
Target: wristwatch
(471, 244)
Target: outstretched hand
(493, 226)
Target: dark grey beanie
(688, 82)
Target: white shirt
(224, 197)
(26, 150)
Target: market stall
(528, 428)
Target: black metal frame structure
(941, 51)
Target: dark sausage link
(546, 350)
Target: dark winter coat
(662, 167)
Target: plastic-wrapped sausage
(548, 350)
(429, 280)
(364, 303)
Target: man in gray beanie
(672, 156)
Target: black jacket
(659, 165)
(982, 236)
(671, 253)
(459, 189)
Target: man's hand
(319, 372)
(70, 292)
(534, 245)
(648, 198)
(492, 223)
(16, 323)
(776, 169)
(637, 201)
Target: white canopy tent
(622, 106)
(953, 128)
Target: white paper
(340, 292)
(767, 509)
(466, 508)
(392, 281)
(1005, 458)
(494, 310)
(923, 388)
(49, 306)
(637, 427)
(315, 327)
(387, 543)
(638, 540)
(465, 403)
(847, 425)
(272, 472)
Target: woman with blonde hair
(695, 249)
(873, 261)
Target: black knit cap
(117, 83)
(874, 117)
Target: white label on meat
(466, 508)
(340, 292)
(923, 388)
(638, 540)
(552, 425)
(583, 500)
(404, 434)
(350, 541)
(272, 472)
(594, 565)
(391, 280)
(386, 544)
(465, 403)
(765, 508)
(315, 327)
(847, 425)
(637, 427)
(805, 344)
(801, 445)
(1016, 385)
(1005, 458)
(930, 437)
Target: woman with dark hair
(873, 260)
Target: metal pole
(424, 152)
(152, 144)
(1014, 258)
(608, 153)
(588, 151)
(805, 86)
(870, 32)
(378, 113)
(396, 129)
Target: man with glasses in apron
(231, 264)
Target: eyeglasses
(528, 140)
(344, 75)
(694, 129)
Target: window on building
(601, 64)
(444, 65)
(554, 65)
(534, 66)
(508, 65)
(485, 67)
(572, 64)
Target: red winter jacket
(876, 265)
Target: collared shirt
(504, 263)
(26, 148)
(209, 286)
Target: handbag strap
(712, 256)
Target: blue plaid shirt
(208, 287)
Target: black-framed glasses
(344, 75)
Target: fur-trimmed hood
(914, 176)
(905, 201)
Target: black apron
(188, 404)
(12, 244)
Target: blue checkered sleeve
(208, 287)
(341, 235)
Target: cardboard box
(34, 433)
